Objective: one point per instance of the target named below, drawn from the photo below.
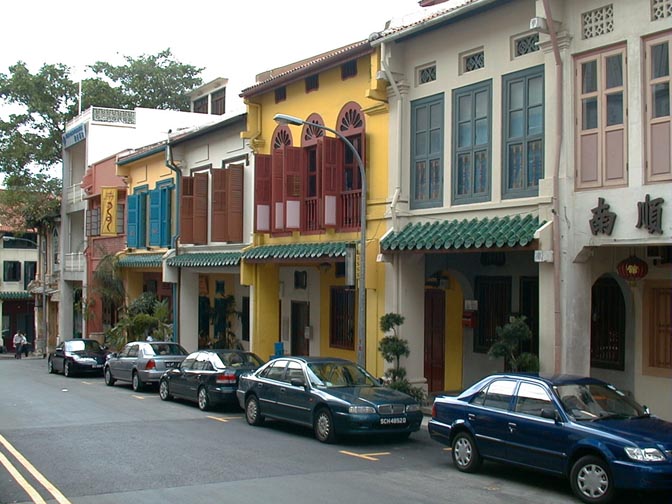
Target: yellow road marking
(86, 382)
(366, 456)
(30, 489)
(34, 472)
(138, 397)
(223, 419)
(448, 449)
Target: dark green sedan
(332, 396)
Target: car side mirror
(297, 382)
(550, 413)
(113, 355)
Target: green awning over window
(15, 296)
(140, 261)
(205, 260)
(486, 233)
(297, 251)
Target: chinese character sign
(108, 221)
(650, 214)
(603, 220)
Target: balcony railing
(311, 212)
(351, 210)
(74, 194)
(74, 262)
(109, 115)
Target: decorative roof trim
(205, 260)
(140, 260)
(15, 296)
(297, 252)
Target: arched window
(607, 325)
(282, 137)
(55, 247)
(310, 133)
(351, 124)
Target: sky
(231, 39)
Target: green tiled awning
(205, 260)
(497, 232)
(15, 296)
(141, 261)
(296, 251)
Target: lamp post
(43, 252)
(361, 319)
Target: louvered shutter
(132, 222)
(277, 191)
(165, 217)
(201, 208)
(142, 219)
(219, 232)
(155, 217)
(293, 177)
(234, 191)
(187, 211)
(262, 193)
(330, 153)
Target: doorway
(300, 320)
(435, 327)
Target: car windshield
(338, 374)
(81, 345)
(166, 349)
(593, 401)
(239, 359)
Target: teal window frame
(136, 234)
(464, 126)
(519, 142)
(160, 200)
(427, 146)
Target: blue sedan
(332, 396)
(575, 427)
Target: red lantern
(632, 268)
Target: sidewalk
(10, 355)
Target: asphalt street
(75, 440)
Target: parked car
(208, 377)
(575, 427)
(78, 355)
(143, 362)
(332, 396)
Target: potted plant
(509, 343)
(392, 348)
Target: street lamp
(43, 251)
(361, 322)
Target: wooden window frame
(93, 221)
(312, 83)
(602, 131)
(11, 271)
(473, 148)
(280, 94)
(657, 295)
(349, 70)
(526, 189)
(29, 272)
(657, 170)
(607, 346)
(199, 103)
(433, 195)
(342, 318)
(218, 102)
(489, 316)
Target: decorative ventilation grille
(474, 61)
(313, 132)
(113, 115)
(282, 139)
(427, 74)
(598, 22)
(661, 9)
(526, 45)
(351, 120)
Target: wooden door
(435, 323)
(300, 319)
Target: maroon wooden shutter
(330, 150)
(200, 208)
(219, 231)
(187, 211)
(277, 191)
(262, 193)
(234, 197)
(293, 186)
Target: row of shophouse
(517, 161)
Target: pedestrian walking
(19, 341)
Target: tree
(30, 202)
(508, 345)
(392, 348)
(39, 105)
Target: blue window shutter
(155, 217)
(165, 214)
(132, 224)
(142, 219)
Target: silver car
(143, 362)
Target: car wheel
(164, 391)
(252, 411)
(50, 366)
(465, 454)
(324, 426)
(108, 377)
(136, 382)
(591, 480)
(66, 369)
(203, 399)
